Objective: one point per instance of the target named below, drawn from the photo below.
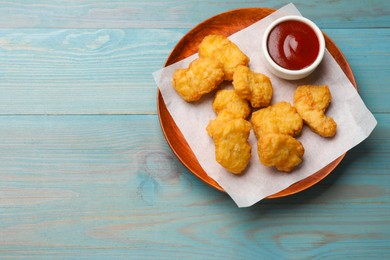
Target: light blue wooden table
(85, 171)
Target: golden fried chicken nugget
(255, 87)
(280, 150)
(279, 118)
(311, 102)
(218, 123)
(228, 100)
(202, 76)
(232, 149)
(230, 131)
(221, 48)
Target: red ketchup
(293, 45)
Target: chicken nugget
(280, 150)
(279, 118)
(221, 48)
(255, 87)
(228, 100)
(202, 76)
(232, 149)
(218, 123)
(230, 131)
(311, 103)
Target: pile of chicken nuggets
(248, 106)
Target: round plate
(226, 24)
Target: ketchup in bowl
(293, 45)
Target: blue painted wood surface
(85, 171)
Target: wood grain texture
(109, 186)
(95, 71)
(178, 14)
(85, 171)
(108, 71)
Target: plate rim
(294, 188)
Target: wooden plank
(76, 186)
(173, 14)
(108, 71)
(94, 71)
(110, 187)
(367, 52)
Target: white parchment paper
(354, 120)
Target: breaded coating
(279, 118)
(252, 86)
(232, 149)
(311, 103)
(221, 48)
(280, 150)
(228, 100)
(230, 131)
(202, 76)
(218, 123)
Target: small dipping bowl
(293, 47)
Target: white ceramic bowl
(287, 73)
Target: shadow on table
(319, 192)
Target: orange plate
(226, 24)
